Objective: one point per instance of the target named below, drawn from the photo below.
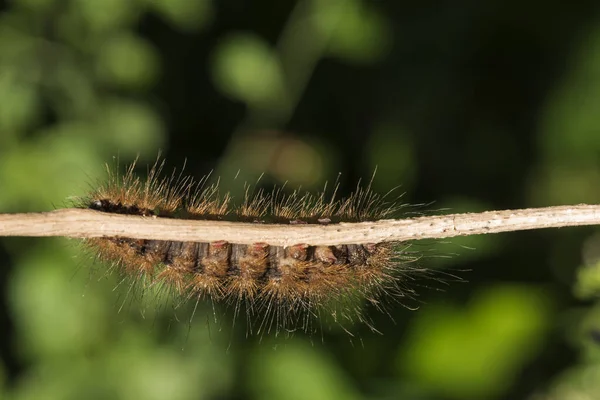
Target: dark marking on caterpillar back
(249, 268)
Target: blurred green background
(472, 105)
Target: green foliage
(246, 69)
(298, 371)
(354, 30)
(476, 353)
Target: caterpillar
(283, 288)
(288, 259)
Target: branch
(81, 223)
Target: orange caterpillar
(284, 287)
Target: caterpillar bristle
(283, 288)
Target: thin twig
(82, 223)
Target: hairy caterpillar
(285, 258)
(283, 287)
